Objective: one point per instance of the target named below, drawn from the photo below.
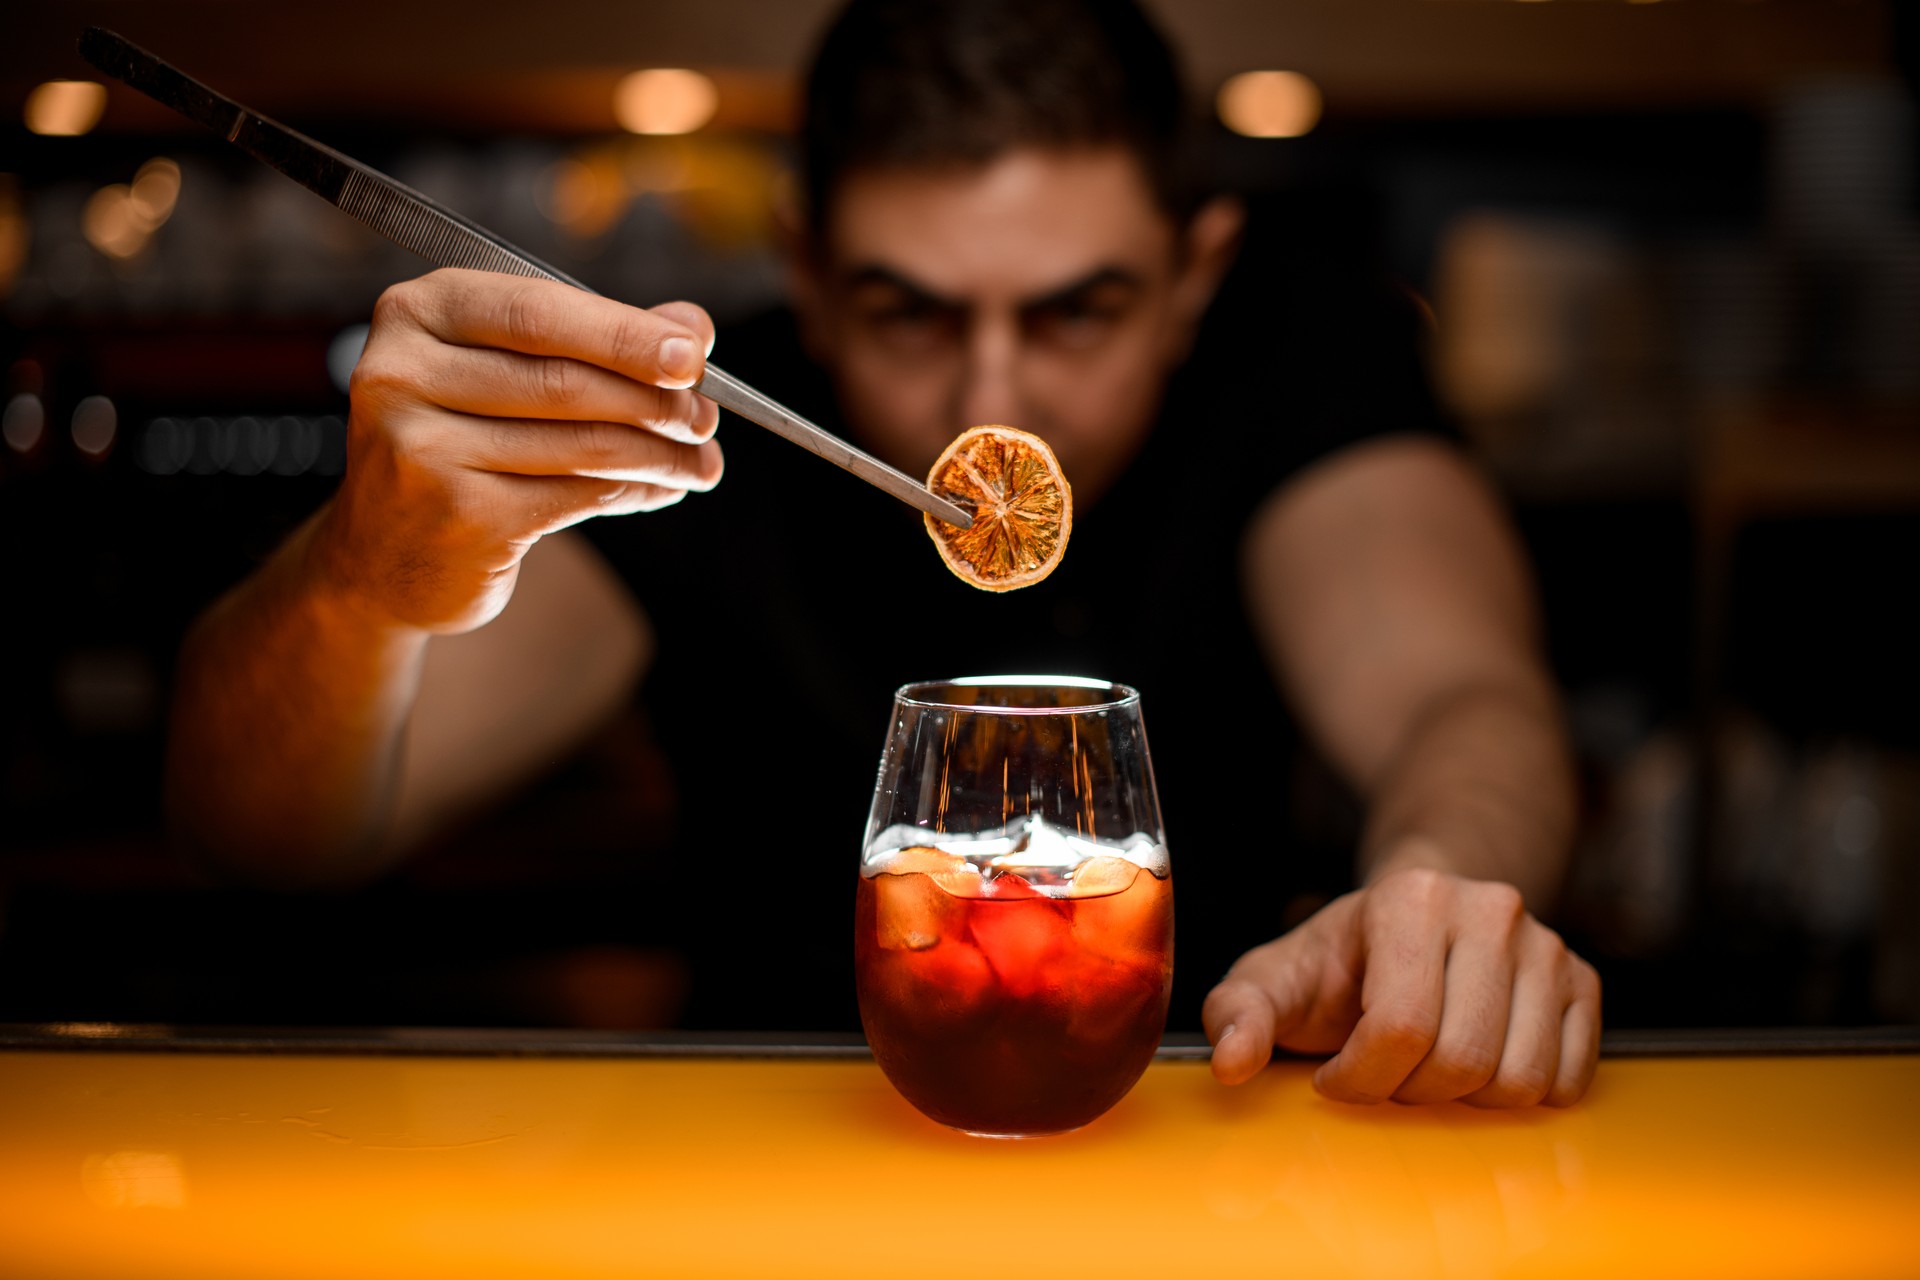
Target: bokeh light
(343, 355)
(24, 422)
(1269, 104)
(665, 100)
(95, 422)
(111, 224)
(13, 232)
(65, 108)
(156, 187)
(119, 220)
(585, 194)
(248, 445)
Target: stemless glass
(1013, 937)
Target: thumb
(1262, 998)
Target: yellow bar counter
(132, 1153)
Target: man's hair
(937, 83)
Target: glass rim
(1119, 695)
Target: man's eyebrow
(875, 274)
(1099, 277)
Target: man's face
(1045, 290)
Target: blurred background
(1673, 253)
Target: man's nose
(990, 386)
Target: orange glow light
(665, 100)
(1269, 104)
(156, 187)
(111, 223)
(65, 108)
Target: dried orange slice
(1021, 503)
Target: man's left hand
(1425, 986)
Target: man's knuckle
(1504, 899)
(1404, 1031)
(1502, 907)
(1564, 1093)
(1585, 978)
(632, 343)
(399, 304)
(414, 448)
(1470, 1066)
(1421, 887)
(558, 381)
(664, 408)
(1524, 1086)
(526, 315)
(372, 377)
(594, 445)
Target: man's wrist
(322, 579)
(1415, 852)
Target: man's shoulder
(1301, 355)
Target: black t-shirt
(792, 601)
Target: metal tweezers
(446, 239)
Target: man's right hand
(489, 410)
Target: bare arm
(1413, 656)
(289, 706)
(1394, 605)
(564, 654)
(371, 680)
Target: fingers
(603, 450)
(1579, 1037)
(1530, 1055)
(552, 503)
(1553, 1037)
(1239, 1021)
(689, 316)
(545, 318)
(506, 384)
(1479, 994)
(1405, 930)
(1460, 994)
(1263, 997)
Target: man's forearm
(289, 711)
(1482, 787)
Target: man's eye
(1074, 323)
(906, 315)
(913, 322)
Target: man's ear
(1209, 243)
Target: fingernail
(1226, 1031)
(676, 358)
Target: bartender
(1276, 539)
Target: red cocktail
(1013, 964)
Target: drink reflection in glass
(1014, 927)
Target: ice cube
(921, 858)
(1007, 886)
(1107, 999)
(946, 991)
(1100, 876)
(1023, 937)
(912, 912)
(1133, 926)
